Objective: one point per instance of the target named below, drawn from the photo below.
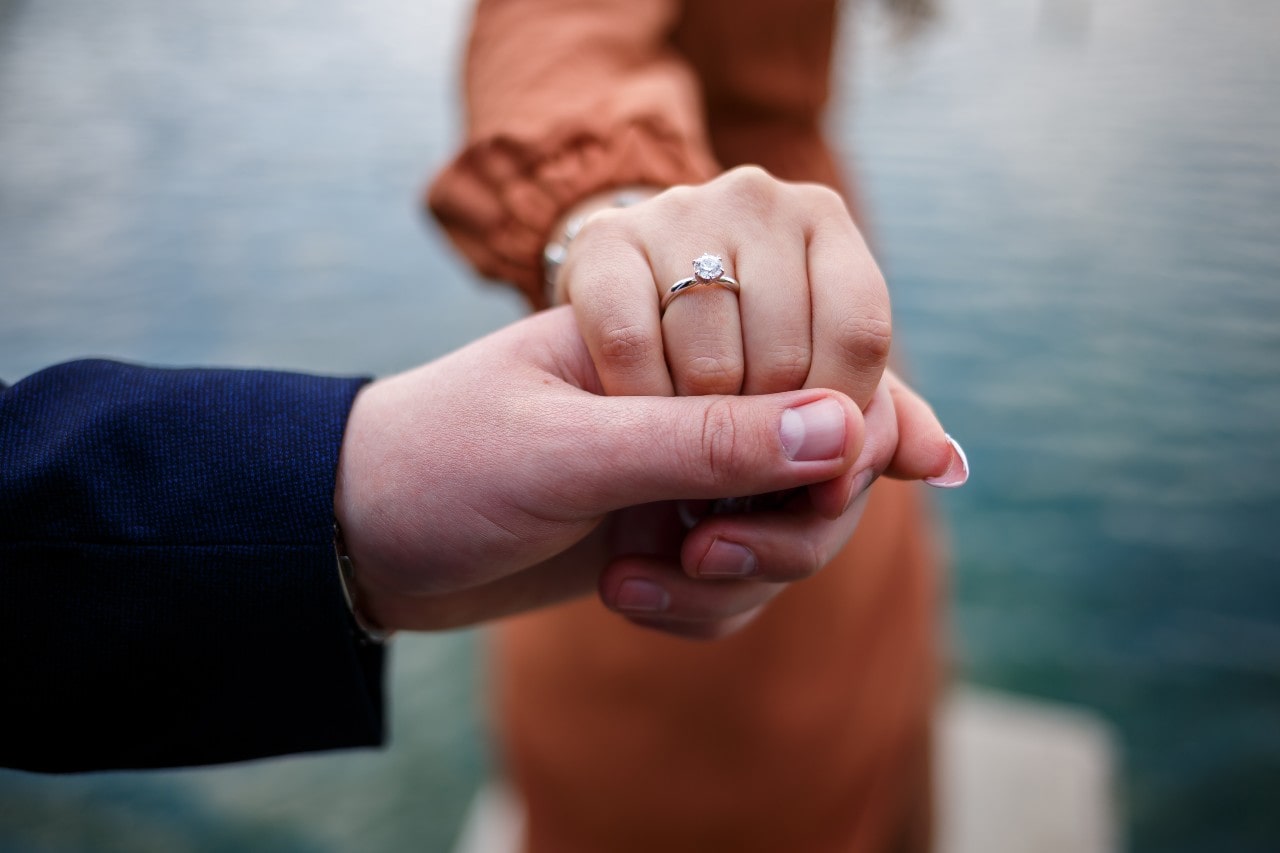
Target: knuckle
(603, 246)
(626, 346)
(752, 184)
(711, 374)
(865, 340)
(596, 228)
(604, 227)
(600, 236)
(719, 440)
(825, 199)
(750, 175)
(680, 200)
(785, 368)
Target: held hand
(476, 485)
(812, 312)
(721, 574)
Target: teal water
(1077, 204)
(1080, 208)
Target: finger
(925, 451)
(570, 574)
(880, 442)
(957, 473)
(651, 588)
(782, 546)
(701, 329)
(852, 331)
(776, 314)
(622, 451)
(761, 223)
(698, 630)
(608, 280)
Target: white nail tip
(948, 480)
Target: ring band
(684, 285)
(708, 270)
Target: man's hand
(477, 485)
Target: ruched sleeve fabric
(565, 99)
(168, 589)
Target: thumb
(643, 449)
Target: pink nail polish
(957, 473)
(813, 431)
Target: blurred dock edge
(1014, 775)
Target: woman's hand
(812, 311)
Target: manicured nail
(641, 596)
(957, 473)
(813, 431)
(727, 560)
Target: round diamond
(708, 267)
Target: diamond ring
(707, 270)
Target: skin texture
(499, 479)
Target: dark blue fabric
(168, 590)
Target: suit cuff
(168, 590)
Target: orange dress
(809, 730)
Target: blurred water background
(1078, 207)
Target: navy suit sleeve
(168, 589)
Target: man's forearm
(167, 579)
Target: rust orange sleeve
(565, 99)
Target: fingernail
(861, 483)
(641, 596)
(727, 560)
(813, 431)
(957, 473)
